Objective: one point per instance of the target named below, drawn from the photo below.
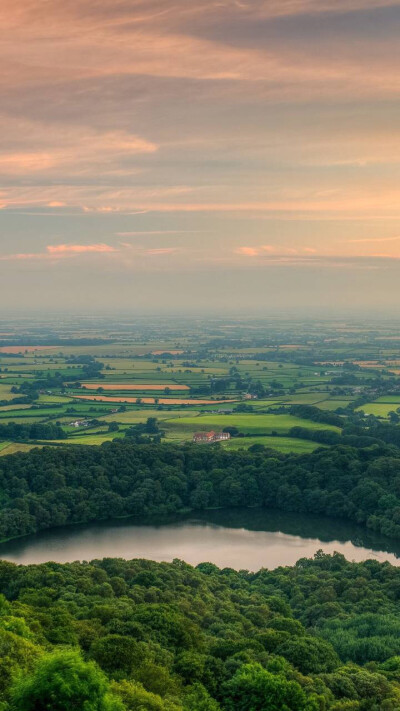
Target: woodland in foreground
(116, 635)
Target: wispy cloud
(31, 147)
(373, 240)
(161, 250)
(141, 233)
(61, 251)
(304, 258)
(248, 251)
(269, 250)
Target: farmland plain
(194, 376)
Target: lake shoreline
(250, 538)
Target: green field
(393, 399)
(281, 444)
(133, 417)
(90, 439)
(332, 404)
(54, 399)
(13, 408)
(246, 423)
(379, 409)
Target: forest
(115, 635)
(42, 489)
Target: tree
(309, 654)
(253, 688)
(62, 681)
(138, 699)
(116, 653)
(197, 698)
(233, 431)
(152, 426)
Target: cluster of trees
(330, 437)
(29, 391)
(310, 412)
(357, 430)
(145, 432)
(92, 368)
(58, 486)
(117, 635)
(36, 431)
(24, 400)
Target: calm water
(249, 539)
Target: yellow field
(13, 447)
(5, 392)
(151, 400)
(10, 408)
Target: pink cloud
(67, 249)
(124, 251)
(20, 256)
(161, 250)
(61, 251)
(29, 146)
(247, 251)
(265, 250)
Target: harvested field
(24, 349)
(369, 364)
(151, 400)
(13, 447)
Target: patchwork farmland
(193, 380)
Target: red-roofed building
(208, 437)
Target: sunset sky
(200, 154)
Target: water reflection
(238, 538)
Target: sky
(216, 155)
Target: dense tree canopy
(56, 486)
(14, 431)
(116, 635)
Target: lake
(239, 538)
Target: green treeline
(15, 431)
(57, 486)
(310, 412)
(117, 635)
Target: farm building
(210, 436)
